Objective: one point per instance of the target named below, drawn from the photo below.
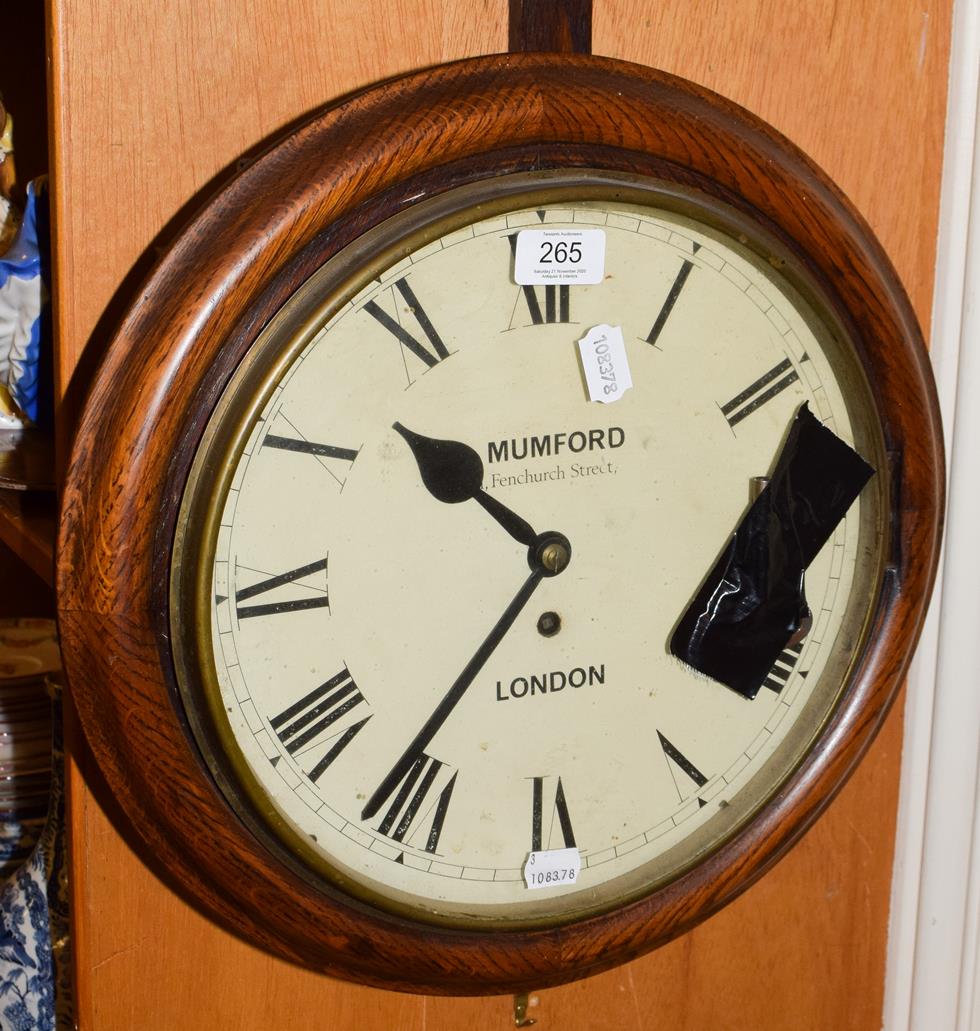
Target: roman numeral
(290, 439)
(675, 291)
(783, 668)
(558, 808)
(305, 720)
(419, 796)
(556, 305)
(308, 447)
(557, 299)
(318, 600)
(764, 389)
(339, 744)
(678, 760)
(438, 349)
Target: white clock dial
(348, 602)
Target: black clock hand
(453, 472)
(397, 773)
(752, 604)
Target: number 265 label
(559, 256)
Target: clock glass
(425, 585)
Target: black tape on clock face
(752, 605)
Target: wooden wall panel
(154, 102)
(860, 86)
(150, 103)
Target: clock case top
(320, 188)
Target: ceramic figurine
(23, 297)
(9, 212)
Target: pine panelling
(860, 87)
(150, 103)
(153, 101)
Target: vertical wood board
(150, 104)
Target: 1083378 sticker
(604, 363)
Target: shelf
(26, 460)
(27, 527)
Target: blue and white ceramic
(23, 298)
(35, 970)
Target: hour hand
(453, 472)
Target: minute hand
(398, 772)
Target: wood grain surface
(805, 947)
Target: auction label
(604, 362)
(548, 256)
(552, 868)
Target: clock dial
(438, 583)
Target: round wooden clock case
(469, 141)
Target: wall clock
(500, 525)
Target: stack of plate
(28, 654)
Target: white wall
(933, 962)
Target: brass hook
(521, 1019)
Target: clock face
(435, 582)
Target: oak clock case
(332, 720)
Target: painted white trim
(932, 969)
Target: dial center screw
(555, 557)
(550, 553)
